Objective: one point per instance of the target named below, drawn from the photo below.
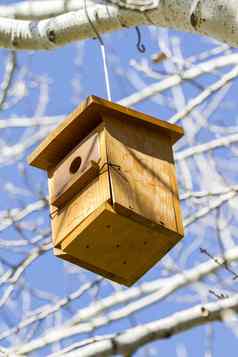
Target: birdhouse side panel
(176, 202)
(140, 170)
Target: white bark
(211, 145)
(217, 19)
(37, 10)
(177, 79)
(10, 68)
(91, 317)
(130, 340)
(205, 95)
(7, 217)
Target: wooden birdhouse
(113, 195)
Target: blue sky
(73, 73)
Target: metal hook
(91, 24)
(140, 46)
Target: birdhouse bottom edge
(116, 244)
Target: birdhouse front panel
(75, 195)
(113, 193)
(73, 173)
(67, 219)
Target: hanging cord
(106, 72)
(103, 52)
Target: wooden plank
(81, 206)
(82, 121)
(108, 108)
(174, 186)
(65, 137)
(83, 203)
(75, 171)
(69, 258)
(81, 263)
(115, 246)
(140, 172)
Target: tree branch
(175, 79)
(9, 72)
(217, 19)
(38, 10)
(210, 145)
(204, 95)
(134, 338)
(91, 317)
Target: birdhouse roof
(82, 121)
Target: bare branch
(211, 145)
(205, 95)
(10, 68)
(159, 289)
(132, 339)
(176, 79)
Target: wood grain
(140, 171)
(85, 201)
(64, 184)
(117, 211)
(82, 121)
(115, 246)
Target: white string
(102, 47)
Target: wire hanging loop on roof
(140, 46)
(103, 52)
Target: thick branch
(132, 339)
(37, 10)
(60, 30)
(87, 319)
(217, 19)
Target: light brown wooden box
(113, 193)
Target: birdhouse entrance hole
(75, 165)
